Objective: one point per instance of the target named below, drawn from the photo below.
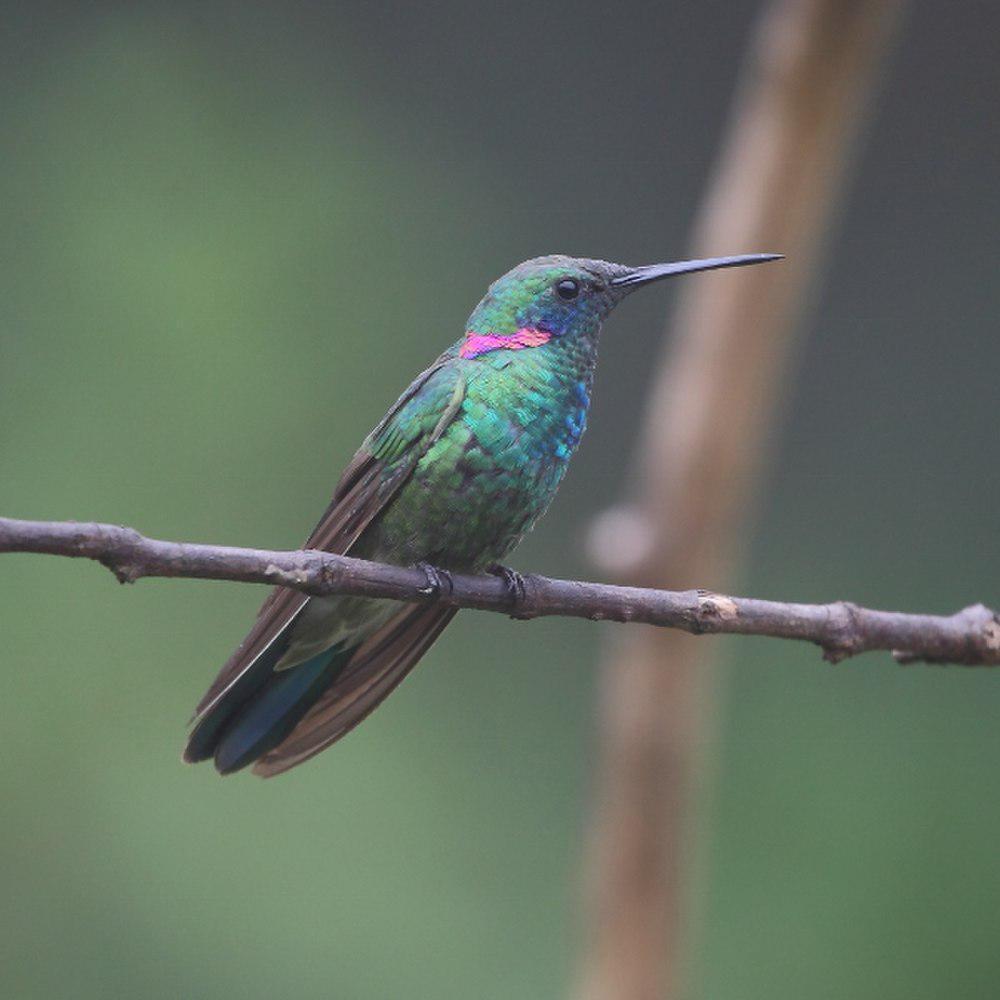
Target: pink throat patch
(482, 343)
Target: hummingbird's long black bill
(653, 272)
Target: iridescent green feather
(463, 464)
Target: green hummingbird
(455, 474)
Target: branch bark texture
(970, 637)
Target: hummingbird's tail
(275, 720)
(251, 719)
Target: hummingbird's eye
(568, 289)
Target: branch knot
(846, 626)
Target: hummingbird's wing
(372, 478)
(369, 678)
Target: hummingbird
(460, 468)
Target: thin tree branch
(970, 637)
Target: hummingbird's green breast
(495, 468)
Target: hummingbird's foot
(517, 588)
(439, 582)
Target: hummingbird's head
(556, 296)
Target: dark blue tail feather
(204, 738)
(274, 711)
(261, 709)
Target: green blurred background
(230, 234)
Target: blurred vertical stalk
(801, 96)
